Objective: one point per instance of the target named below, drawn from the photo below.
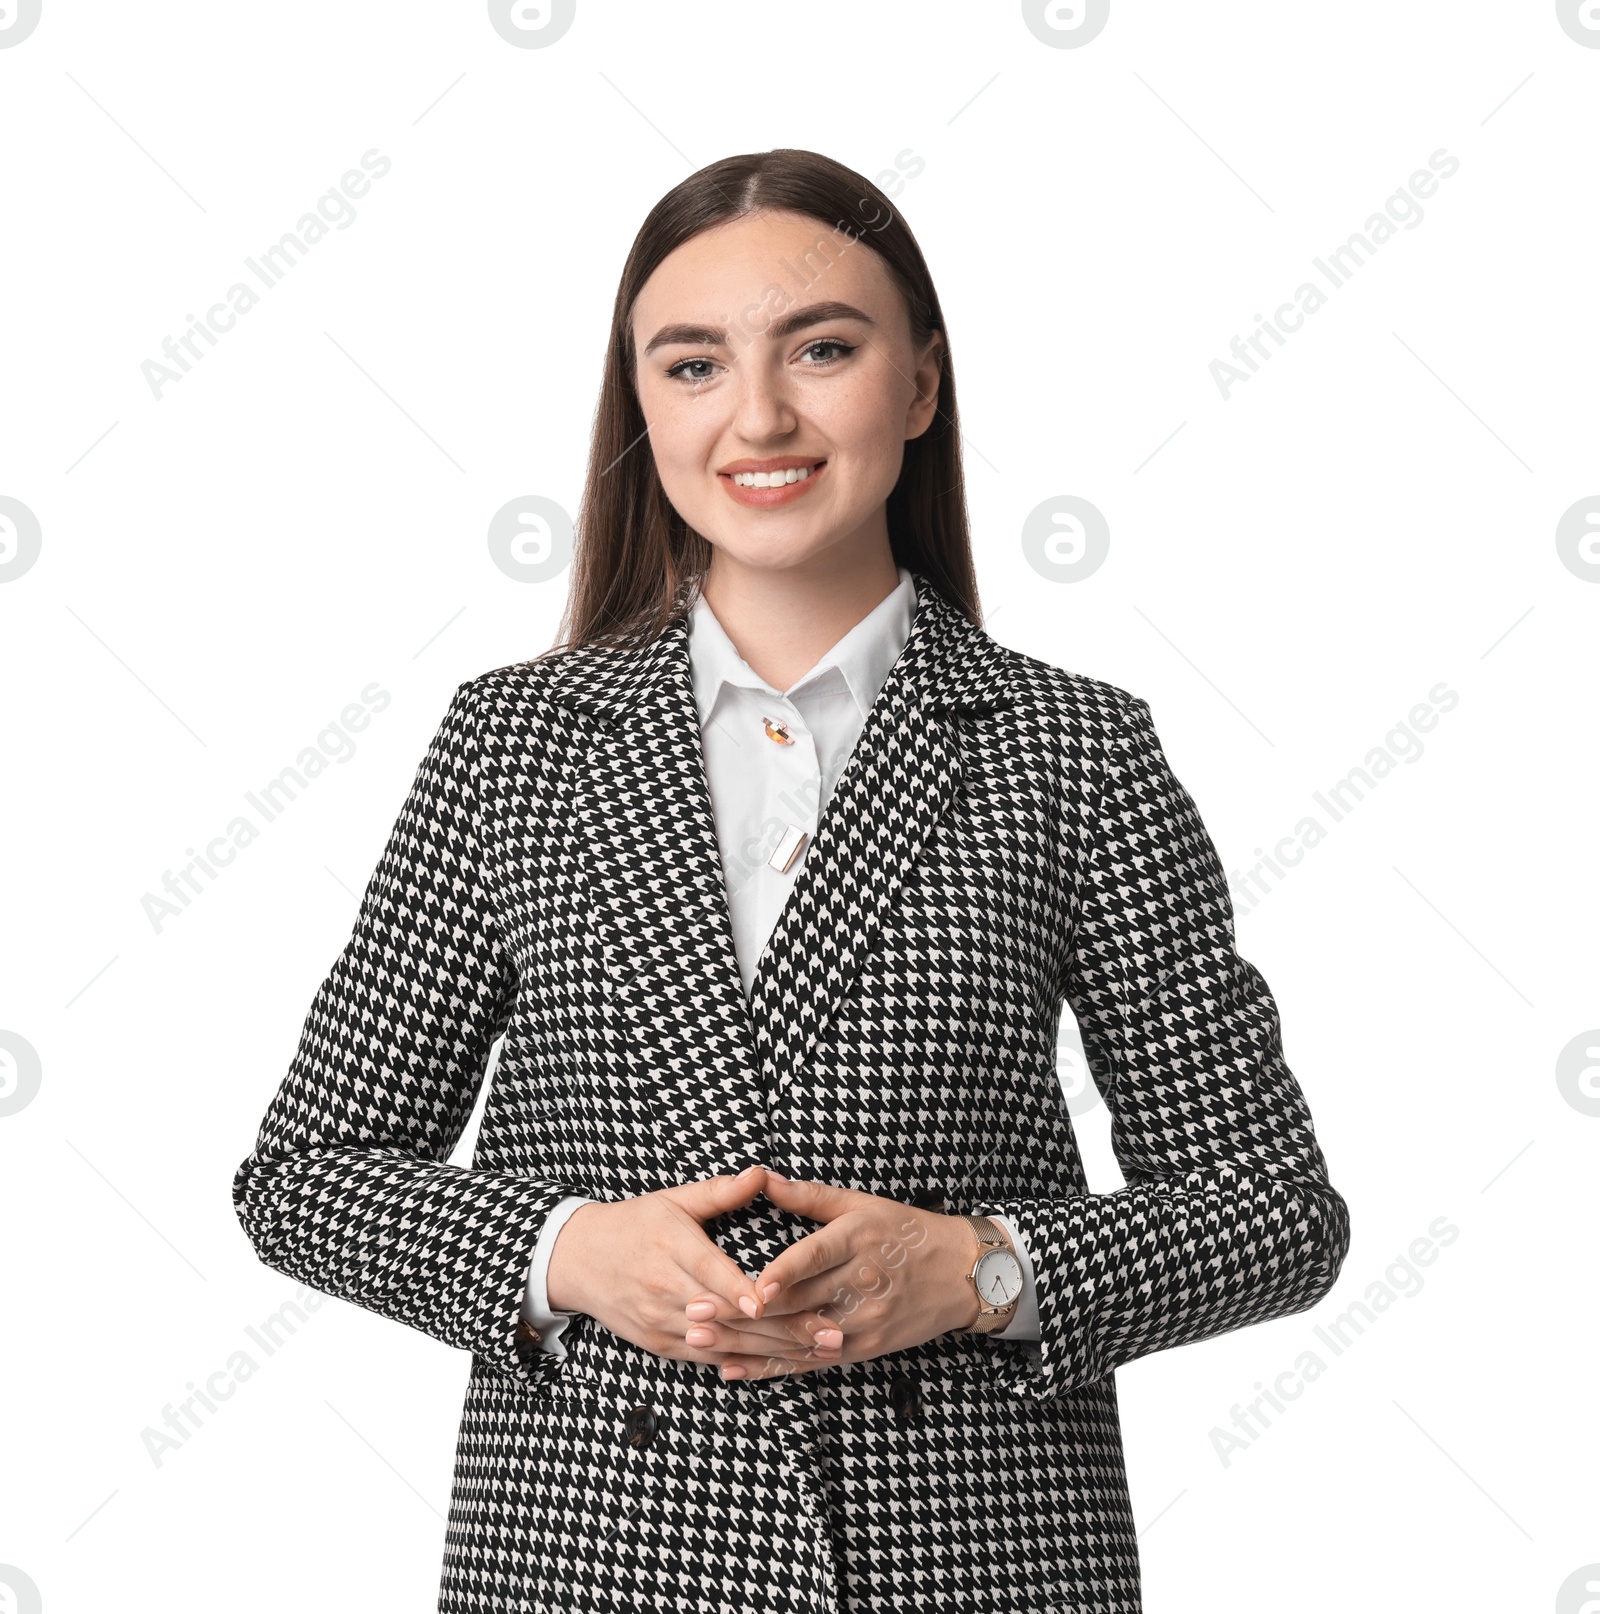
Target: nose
(764, 411)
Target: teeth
(772, 479)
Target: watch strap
(991, 1236)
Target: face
(771, 348)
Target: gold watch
(996, 1275)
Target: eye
(681, 370)
(839, 350)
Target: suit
(772, 758)
(1006, 838)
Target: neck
(783, 620)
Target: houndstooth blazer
(1006, 839)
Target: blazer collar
(716, 1072)
(948, 664)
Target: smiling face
(779, 380)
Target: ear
(926, 377)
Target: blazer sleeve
(347, 1188)
(1228, 1217)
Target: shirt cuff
(535, 1302)
(1025, 1322)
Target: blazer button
(527, 1343)
(907, 1399)
(929, 1199)
(639, 1427)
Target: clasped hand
(876, 1276)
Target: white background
(224, 570)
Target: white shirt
(760, 788)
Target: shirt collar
(863, 657)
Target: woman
(780, 865)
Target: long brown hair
(637, 563)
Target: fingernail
(747, 1305)
(770, 1290)
(830, 1336)
(733, 1372)
(701, 1309)
(699, 1336)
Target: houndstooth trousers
(1006, 839)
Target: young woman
(783, 1282)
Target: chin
(774, 551)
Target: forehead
(771, 260)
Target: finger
(820, 1201)
(811, 1323)
(716, 1277)
(829, 1295)
(727, 1343)
(790, 1319)
(809, 1329)
(711, 1196)
(772, 1367)
(836, 1293)
(807, 1257)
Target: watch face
(999, 1278)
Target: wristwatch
(996, 1275)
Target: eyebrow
(717, 336)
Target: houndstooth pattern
(1006, 839)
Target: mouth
(764, 483)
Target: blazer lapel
(647, 839)
(713, 1065)
(902, 778)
